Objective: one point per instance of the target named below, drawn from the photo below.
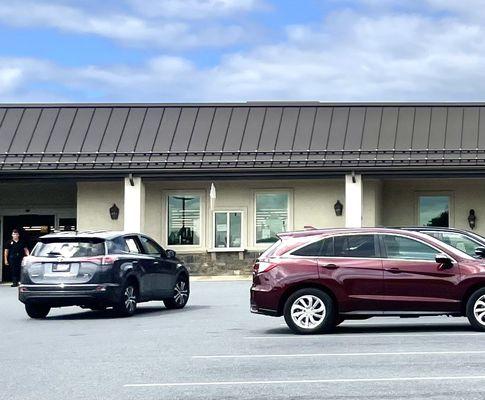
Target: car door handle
(330, 266)
(156, 262)
(393, 270)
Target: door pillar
(353, 201)
(134, 205)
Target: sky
(241, 50)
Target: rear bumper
(70, 295)
(264, 301)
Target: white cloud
(350, 56)
(118, 26)
(193, 9)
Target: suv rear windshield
(68, 248)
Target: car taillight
(100, 260)
(26, 261)
(263, 266)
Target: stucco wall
(311, 203)
(94, 200)
(372, 203)
(400, 200)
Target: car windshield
(69, 248)
(457, 240)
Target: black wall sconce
(338, 207)
(472, 219)
(114, 212)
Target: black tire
(126, 305)
(303, 300)
(474, 305)
(181, 294)
(37, 311)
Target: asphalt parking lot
(216, 349)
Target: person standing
(15, 251)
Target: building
(273, 167)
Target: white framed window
(434, 209)
(271, 215)
(228, 230)
(184, 220)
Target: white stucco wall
(400, 200)
(94, 200)
(311, 203)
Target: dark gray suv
(98, 270)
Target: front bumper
(60, 295)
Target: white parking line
(308, 381)
(403, 353)
(360, 335)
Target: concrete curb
(203, 278)
(220, 278)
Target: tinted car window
(151, 247)
(355, 246)
(117, 246)
(456, 240)
(320, 248)
(132, 245)
(69, 248)
(405, 248)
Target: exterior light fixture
(114, 212)
(338, 207)
(472, 219)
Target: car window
(132, 245)
(355, 246)
(151, 247)
(399, 247)
(320, 248)
(456, 240)
(117, 246)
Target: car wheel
(126, 307)
(181, 294)
(37, 311)
(309, 311)
(475, 310)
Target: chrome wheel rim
(130, 299)
(479, 310)
(181, 293)
(308, 311)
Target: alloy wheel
(130, 299)
(479, 310)
(181, 293)
(308, 311)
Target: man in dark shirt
(15, 251)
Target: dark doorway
(30, 227)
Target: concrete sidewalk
(200, 278)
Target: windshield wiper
(54, 253)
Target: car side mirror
(444, 260)
(480, 252)
(170, 253)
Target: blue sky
(240, 50)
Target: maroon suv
(319, 278)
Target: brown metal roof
(310, 136)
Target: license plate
(61, 267)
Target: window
(399, 247)
(132, 245)
(456, 240)
(355, 246)
(228, 229)
(118, 246)
(320, 248)
(434, 211)
(184, 213)
(151, 247)
(271, 215)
